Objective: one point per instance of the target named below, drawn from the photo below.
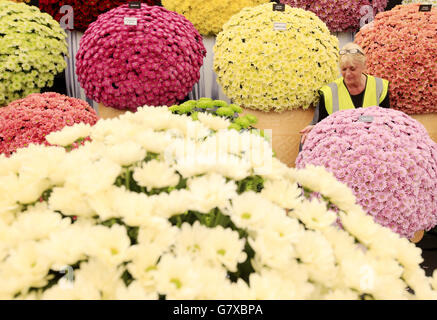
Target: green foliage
(253, 183)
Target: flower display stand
(429, 121)
(108, 112)
(285, 128)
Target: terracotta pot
(285, 128)
(108, 112)
(417, 236)
(429, 121)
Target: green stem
(218, 216)
(127, 182)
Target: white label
(130, 21)
(366, 119)
(279, 26)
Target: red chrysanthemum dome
(85, 11)
(29, 120)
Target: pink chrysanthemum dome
(341, 15)
(153, 58)
(390, 163)
(29, 120)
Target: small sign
(366, 119)
(278, 7)
(425, 7)
(130, 21)
(279, 26)
(134, 5)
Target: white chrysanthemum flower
(66, 247)
(156, 142)
(80, 289)
(360, 225)
(105, 278)
(9, 189)
(158, 231)
(217, 246)
(69, 134)
(233, 167)
(318, 179)
(225, 247)
(194, 130)
(282, 192)
(102, 203)
(341, 294)
(282, 254)
(249, 210)
(342, 242)
(96, 176)
(144, 259)
(134, 292)
(192, 240)
(23, 228)
(213, 122)
(270, 285)
(215, 284)
(278, 171)
(317, 254)
(173, 203)
(126, 153)
(408, 254)
(30, 189)
(25, 267)
(156, 118)
(37, 162)
(109, 245)
(356, 271)
(70, 201)
(104, 128)
(211, 191)
(314, 214)
(239, 290)
(279, 233)
(134, 208)
(156, 174)
(178, 278)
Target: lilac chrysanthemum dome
(388, 160)
(343, 15)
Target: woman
(354, 89)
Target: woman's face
(351, 71)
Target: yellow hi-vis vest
(337, 96)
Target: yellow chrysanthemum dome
(275, 61)
(209, 16)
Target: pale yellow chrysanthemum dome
(275, 61)
(209, 16)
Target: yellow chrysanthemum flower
(208, 16)
(287, 55)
